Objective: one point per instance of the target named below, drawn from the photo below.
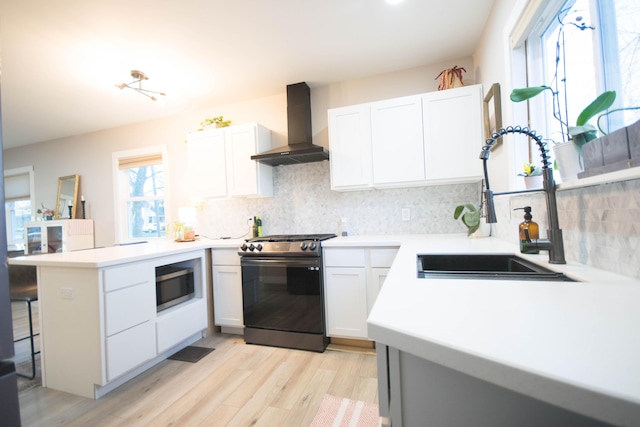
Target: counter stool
(27, 292)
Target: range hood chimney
(300, 149)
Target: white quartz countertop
(572, 344)
(113, 255)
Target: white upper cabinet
(397, 141)
(220, 162)
(207, 170)
(350, 139)
(246, 177)
(453, 133)
(410, 141)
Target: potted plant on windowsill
(569, 149)
(568, 152)
(532, 176)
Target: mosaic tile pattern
(601, 224)
(304, 203)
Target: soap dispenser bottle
(528, 231)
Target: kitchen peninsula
(503, 352)
(98, 311)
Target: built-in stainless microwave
(174, 285)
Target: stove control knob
(251, 247)
(304, 246)
(259, 247)
(313, 246)
(243, 247)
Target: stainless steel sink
(485, 267)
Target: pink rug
(342, 412)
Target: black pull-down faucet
(553, 244)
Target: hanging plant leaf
(522, 94)
(601, 103)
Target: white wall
(492, 61)
(89, 155)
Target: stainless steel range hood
(300, 148)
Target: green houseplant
(471, 218)
(568, 151)
(218, 122)
(582, 132)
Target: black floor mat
(191, 354)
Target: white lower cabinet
(227, 288)
(129, 349)
(101, 326)
(175, 324)
(353, 277)
(346, 302)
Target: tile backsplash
(601, 224)
(303, 202)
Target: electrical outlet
(67, 293)
(406, 214)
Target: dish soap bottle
(528, 231)
(259, 224)
(254, 229)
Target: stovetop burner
(283, 245)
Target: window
(141, 193)
(582, 47)
(18, 191)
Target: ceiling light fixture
(139, 76)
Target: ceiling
(61, 59)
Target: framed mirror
(67, 196)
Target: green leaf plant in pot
(471, 218)
(582, 132)
(218, 122)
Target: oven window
(284, 298)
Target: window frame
(526, 35)
(25, 170)
(121, 190)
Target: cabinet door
(453, 133)
(128, 307)
(178, 323)
(227, 296)
(397, 141)
(33, 239)
(246, 177)
(350, 144)
(346, 302)
(207, 164)
(129, 348)
(377, 277)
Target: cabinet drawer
(131, 274)
(225, 257)
(129, 349)
(179, 323)
(382, 257)
(344, 257)
(128, 307)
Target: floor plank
(235, 385)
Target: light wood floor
(235, 385)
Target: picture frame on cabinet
(492, 113)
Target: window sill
(605, 178)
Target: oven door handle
(279, 262)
